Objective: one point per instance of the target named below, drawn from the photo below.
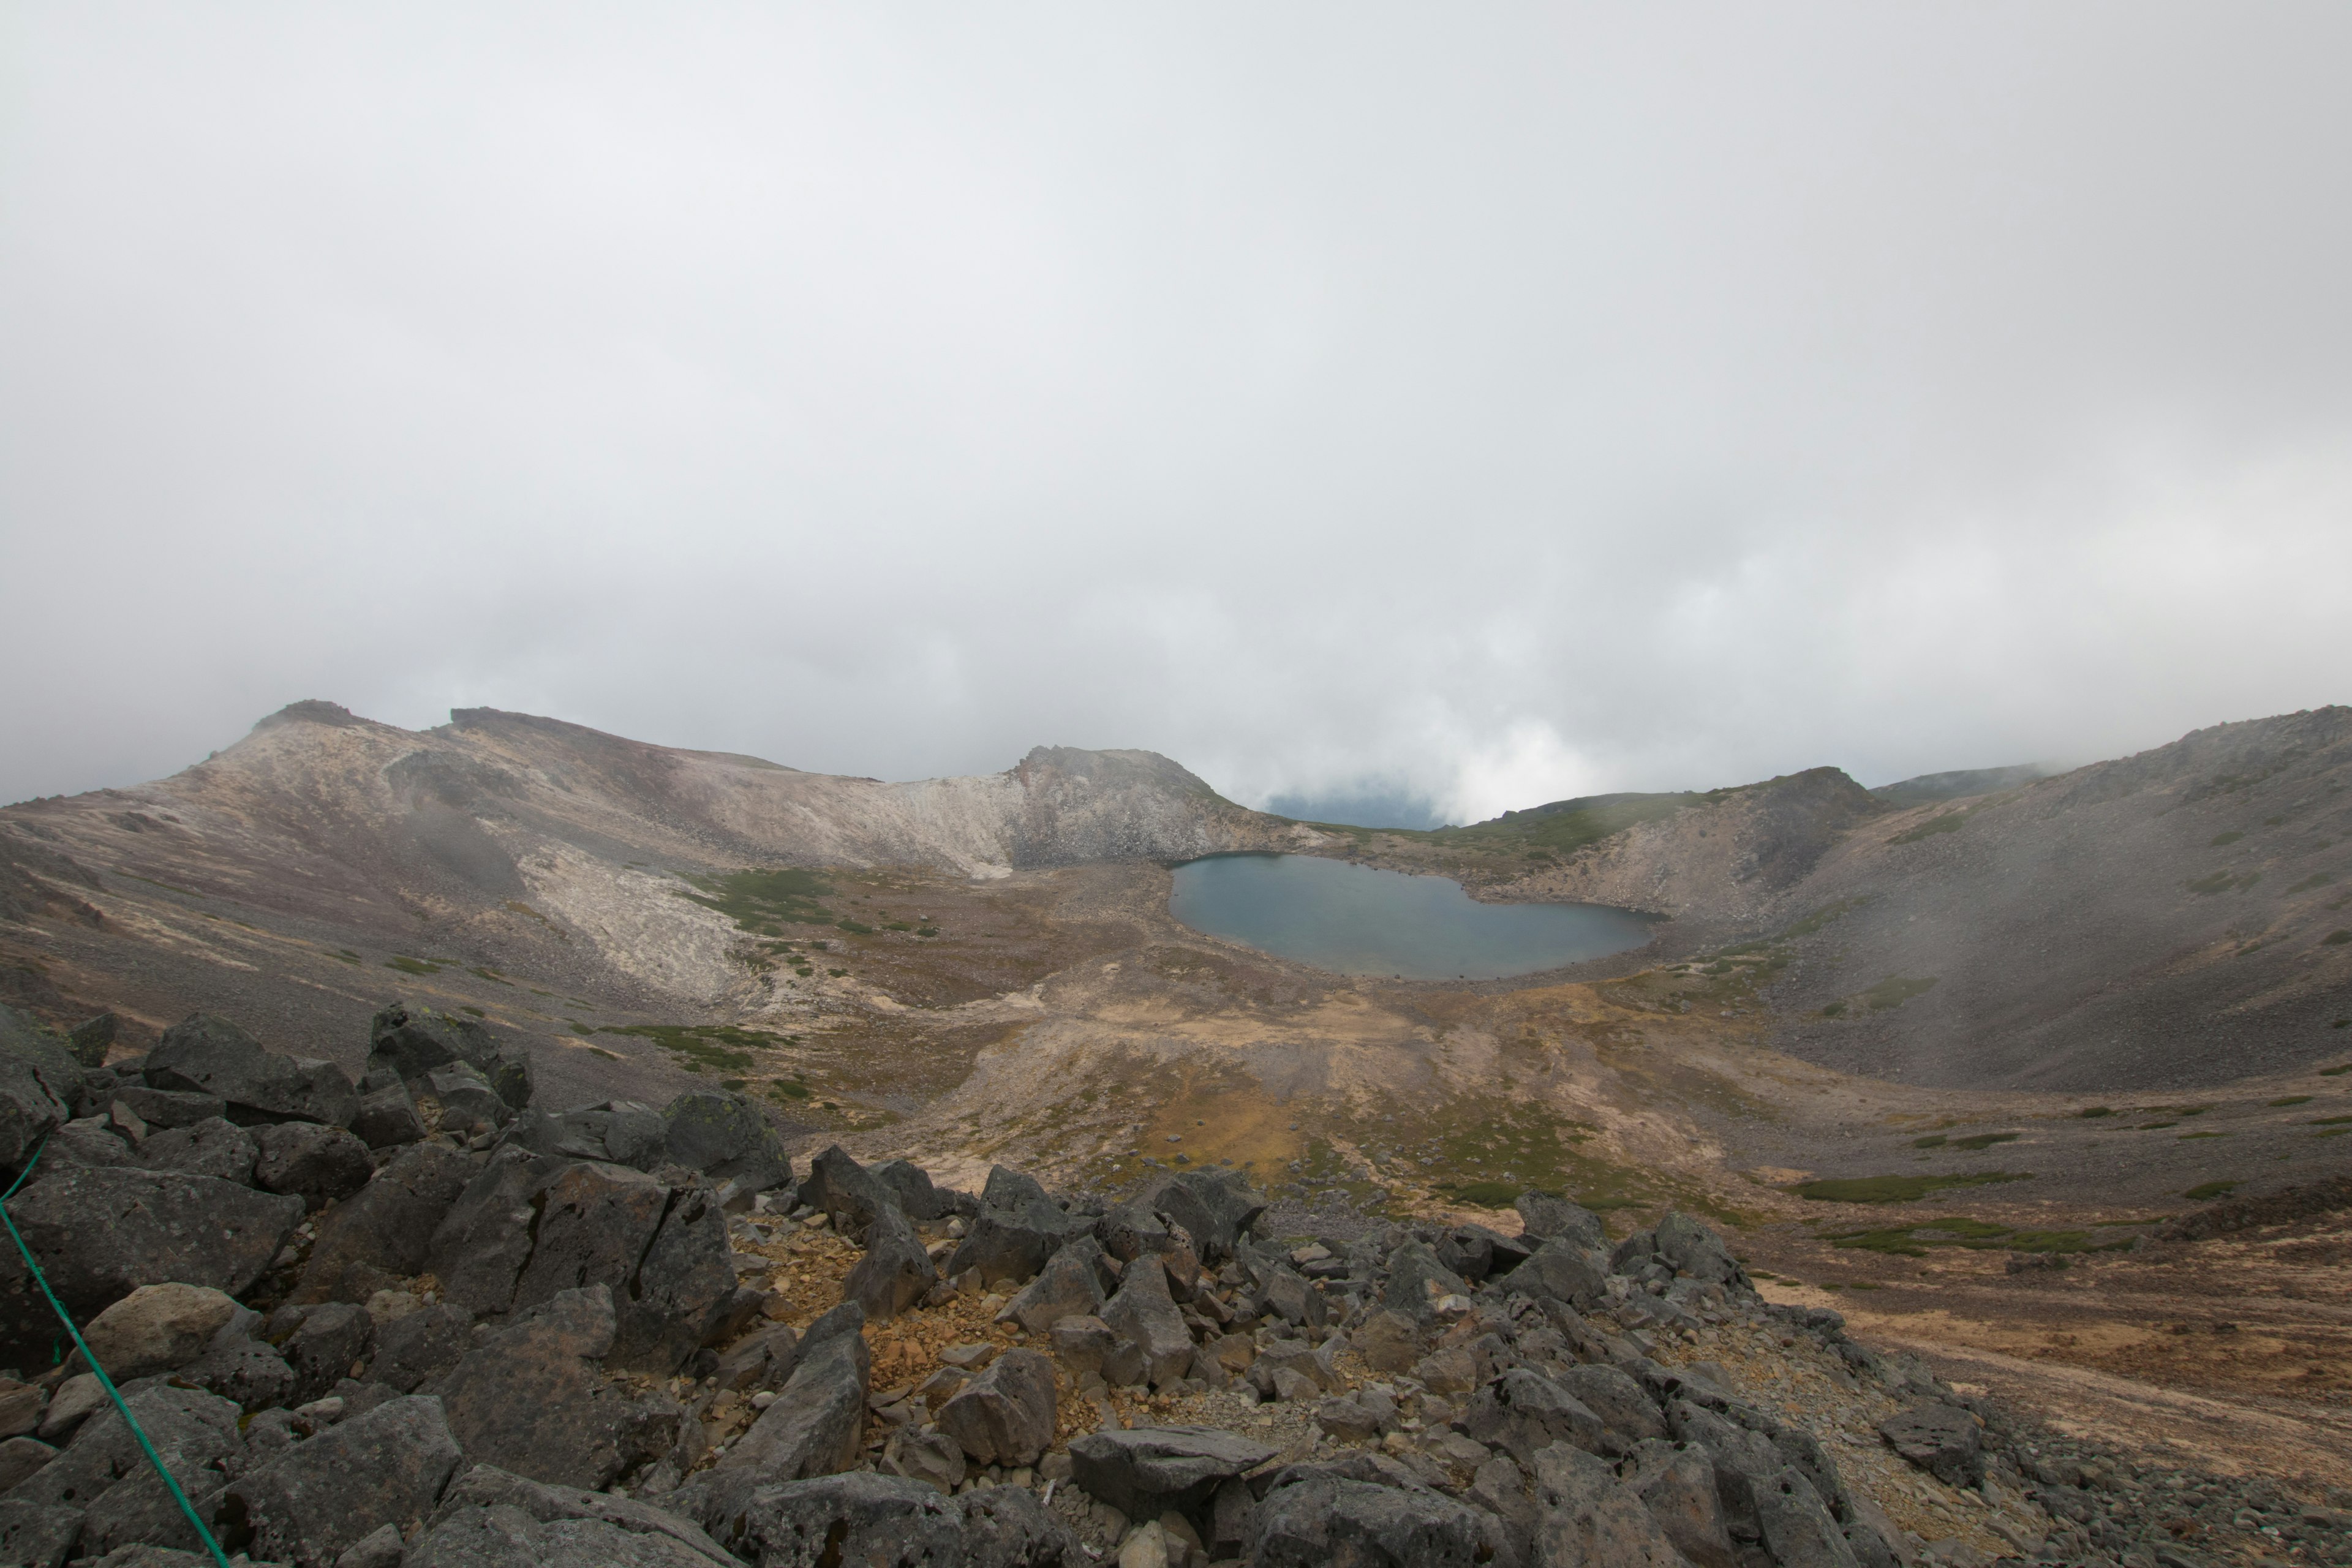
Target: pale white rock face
(641, 922)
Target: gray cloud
(1348, 402)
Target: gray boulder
(726, 1137)
(911, 1187)
(387, 1117)
(895, 1271)
(37, 1535)
(423, 1346)
(1145, 1471)
(839, 1187)
(1565, 1271)
(623, 1131)
(1323, 1521)
(384, 1231)
(1524, 1412)
(681, 1295)
(817, 1423)
(1797, 1529)
(1617, 1399)
(1678, 1486)
(461, 1101)
(1217, 1208)
(1007, 1188)
(532, 1398)
(590, 1222)
(317, 1163)
(19, 1457)
(1069, 1286)
(490, 1519)
(88, 1141)
(206, 1054)
(162, 1109)
(102, 1232)
(156, 1328)
(413, 1041)
(106, 1474)
(324, 1347)
(246, 1370)
(484, 1237)
(1694, 1250)
(214, 1146)
(1005, 1416)
(1543, 1217)
(323, 1495)
(1009, 1246)
(1142, 1310)
(765, 1361)
(872, 1519)
(1942, 1439)
(1586, 1514)
(1417, 1281)
(40, 1083)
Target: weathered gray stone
(1388, 1341)
(727, 1136)
(1696, 1250)
(1291, 1297)
(532, 1397)
(37, 1535)
(1320, 1520)
(1142, 1310)
(322, 1349)
(1587, 1515)
(622, 1131)
(387, 1117)
(1942, 1439)
(311, 1503)
(1543, 1217)
(384, 1231)
(1678, 1486)
(816, 1425)
(1565, 1271)
(206, 1054)
(41, 1085)
(683, 1289)
(1798, 1530)
(88, 1141)
(765, 1361)
(413, 1041)
(166, 1109)
(106, 1474)
(895, 1271)
(1525, 1412)
(831, 1519)
(930, 1456)
(484, 1235)
(489, 1518)
(317, 1163)
(461, 1101)
(421, 1347)
(1417, 1281)
(1069, 1286)
(102, 1232)
(1217, 1208)
(1144, 1471)
(21, 1405)
(1617, 1399)
(212, 1147)
(838, 1187)
(1005, 1416)
(918, 1200)
(246, 1371)
(19, 1457)
(593, 1222)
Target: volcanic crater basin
(1361, 920)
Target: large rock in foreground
(205, 1054)
(314, 1500)
(1144, 1471)
(101, 1232)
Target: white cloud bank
(1491, 407)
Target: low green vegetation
(2317, 880)
(1896, 1189)
(2223, 881)
(2094, 1111)
(1893, 991)
(705, 1047)
(2208, 1191)
(345, 955)
(2330, 1120)
(764, 902)
(2185, 1137)
(492, 975)
(408, 965)
(476, 1012)
(854, 928)
(1564, 826)
(1950, 822)
(2337, 938)
(2291, 1100)
(1486, 1195)
(1975, 1235)
(1984, 1140)
(2231, 836)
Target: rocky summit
(488, 1332)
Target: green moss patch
(2291, 1100)
(407, 965)
(2208, 1191)
(1893, 991)
(765, 901)
(707, 1048)
(1896, 1189)
(2219, 839)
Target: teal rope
(103, 1381)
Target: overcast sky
(1475, 404)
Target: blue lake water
(1357, 920)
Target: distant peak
(312, 710)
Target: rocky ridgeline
(419, 1320)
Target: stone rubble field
(419, 1320)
